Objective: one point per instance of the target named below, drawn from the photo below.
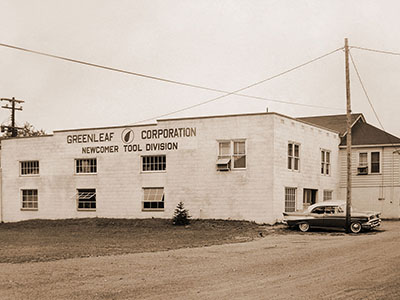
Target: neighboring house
(375, 164)
(248, 166)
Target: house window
(290, 199)
(29, 167)
(363, 163)
(153, 199)
(86, 199)
(29, 200)
(231, 154)
(154, 163)
(375, 162)
(369, 163)
(328, 195)
(86, 166)
(325, 162)
(293, 156)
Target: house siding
(374, 192)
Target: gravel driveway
(316, 265)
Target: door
(309, 197)
(334, 217)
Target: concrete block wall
(255, 193)
(312, 140)
(190, 177)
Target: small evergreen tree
(181, 215)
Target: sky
(226, 45)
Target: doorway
(309, 197)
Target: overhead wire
(369, 99)
(241, 89)
(179, 82)
(375, 50)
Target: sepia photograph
(226, 149)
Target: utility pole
(348, 138)
(12, 128)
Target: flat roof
(200, 118)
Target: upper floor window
(369, 163)
(375, 162)
(29, 167)
(293, 156)
(325, 162)
(239, 155)
(154, 163)
(86, 166)
(231, 154)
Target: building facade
(375, 164)
(245, 167)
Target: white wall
(312, 140)
(256, 193)
(190, 177)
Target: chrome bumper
(372, 224)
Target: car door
(317, 216)
(334, 217)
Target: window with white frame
(290, 199)
(375, 162)
(328, 195)
(239, 155)
(154, 163)
(369, 163)
(29, 199)
(153, 199)
(231, 154)
(293, 156)
(86, 166)
(30, 167)
(86, 199)
(325, 162)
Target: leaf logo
(127, 136)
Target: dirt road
(316, 265)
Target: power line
(183, 83)
(375, 50)
(239, 90)
(369, 99)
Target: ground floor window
(290, 199)
(29, 199)
(86, 199)
(327, 195)
(153, 199)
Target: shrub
(181, 215)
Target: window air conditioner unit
(362, 170)
(223, 164)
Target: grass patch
(46, 240)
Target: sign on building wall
(130, 141)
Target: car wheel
(355, 227)
(304, 227)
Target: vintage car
(331, 214)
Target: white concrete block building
(246, 167)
